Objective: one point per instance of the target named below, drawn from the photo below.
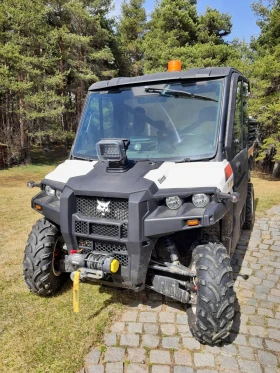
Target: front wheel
(211, 315)
(43, 252)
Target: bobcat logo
(103, 207)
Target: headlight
(50, 191)
(200, 200)
(173, 202)
(58, 194)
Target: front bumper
(147, 220)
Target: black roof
(208, 72)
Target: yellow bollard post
(76, 286)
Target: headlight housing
(173, 203)
(50, 191)
(200, 200)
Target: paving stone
(114, 368)
(167, 317)
(247, 366)
(184, 329)
(110, 339)
(204, 360)
(268, 284)
(239, 339)
(274, 334)
(161, 369)
(272, 277)
(159, 357)
(260, 296)
(182, 319)
(246, 352)
(272, 345)
(248, 310)
(183, 357)
(257, 320)
(271, 370)
(228, 363)
(257, 331)
(255, 280)
(135, 327)
(151, 328)
(92, 358)
(265, 312)
(114, 354)
(131, 340)
(136, 355)
(168, 329)
(191, 343)
(256, 342)
(149, 340)
(118, 327)
(229, 349)
(174, 307)
(267, 359)
(275, 292)
(129, 316)
(273, 322)
(183, 370)
(148, 317)
(273, 299)
(137, 368)
(170, 342)
(95, 369)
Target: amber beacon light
(174, 65)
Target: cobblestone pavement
(152, 334)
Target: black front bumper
(131, 237)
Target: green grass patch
(42, 334)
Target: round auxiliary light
(49, 190)
(173, 203)
(200, 200)
(58, 194)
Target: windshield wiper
(172, 92)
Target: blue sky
(243, 18)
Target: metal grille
(104, 230)
(124, 229)
(84, 243)
(119, 251)
(117, 208)
(81, 227)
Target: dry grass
(44, 335)
(267, 192)
(41, 334)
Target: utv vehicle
(154, 194)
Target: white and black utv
(154, 195)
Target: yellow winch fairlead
(76, 289)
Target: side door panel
(237, 154)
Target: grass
(43, 334)
(267, 192)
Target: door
(239, 161)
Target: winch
(93, 265)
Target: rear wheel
(250, 208)
(211, 314)
(43, 252)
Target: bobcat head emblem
(103, 207)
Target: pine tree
(173, 25)
(265, 100)
(131, 30)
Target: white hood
(70, 168)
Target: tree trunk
(276, 170)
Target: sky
(243, 18)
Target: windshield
(163, 121)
